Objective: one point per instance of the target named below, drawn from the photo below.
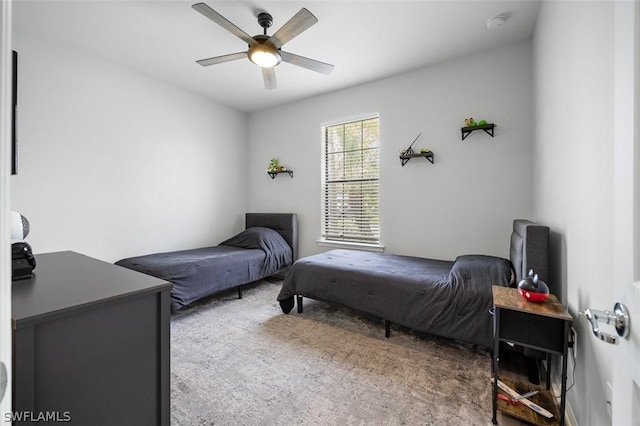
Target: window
(351, 182)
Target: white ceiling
(365, 40)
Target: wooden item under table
(542, 326)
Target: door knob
(619, 318)
(3, 380)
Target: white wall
(113, 163)
(573, 177)
(462, 204)
(6, 326)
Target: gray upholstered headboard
(286, 224)
(530, 249)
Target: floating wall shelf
(404, 158)
(488, 129)
(273, 174)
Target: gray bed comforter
(450, 299)
(253, 254)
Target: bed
(452, 299)
(268, 246)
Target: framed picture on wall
(14, 114)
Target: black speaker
(22, 261)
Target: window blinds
(351, 187)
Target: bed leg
(239, 292)
(387, 328)
(299, 299)
(287, 304)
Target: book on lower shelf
(544, 398)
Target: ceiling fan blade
(221, 59)
(310, 64)
(223, 22)
(269, 76)
(299, 23)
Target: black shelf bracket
(488, 129)
(404, 158)
(273, 174)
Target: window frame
(323, 241)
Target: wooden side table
(543, 326)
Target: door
(626, 362)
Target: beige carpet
(243, 362)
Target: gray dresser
(91, 344)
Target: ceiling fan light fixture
(264, 56)
(264, 50)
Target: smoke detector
(496, 22)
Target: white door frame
(5, 173)
(626, 262)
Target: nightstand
(543, 326)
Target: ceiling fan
(264, 50)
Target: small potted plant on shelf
(275, 167)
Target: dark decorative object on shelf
(404, 158)
(409, 153)
(273, 174)
(488, 129)
(533, 289)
